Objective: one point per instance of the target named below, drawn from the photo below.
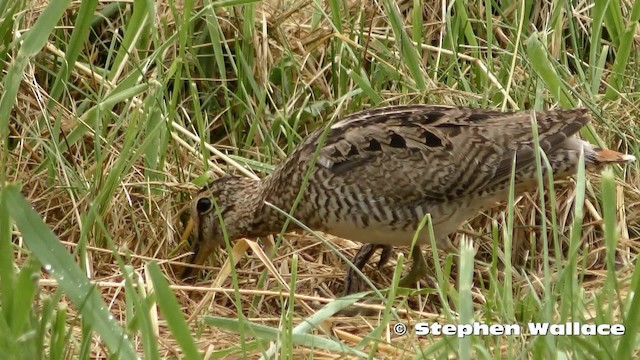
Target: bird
(374, 175)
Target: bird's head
(225, 207)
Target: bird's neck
(270, 205)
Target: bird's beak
(201, 249)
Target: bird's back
(378, 172)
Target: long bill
(200, 251)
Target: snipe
(380, 171)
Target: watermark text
(535, 329)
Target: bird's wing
(421, 152)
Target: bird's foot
(352, 281)
(418, 269)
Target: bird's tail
(606, 156)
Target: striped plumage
(380, 171)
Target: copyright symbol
(400, 329)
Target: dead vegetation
(144, 218)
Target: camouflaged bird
(380, 171)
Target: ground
(161, 97)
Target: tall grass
(113, 113)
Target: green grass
(112, 114)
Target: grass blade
(172, 313)
(626, 43)
(270, 333)
(59, 263)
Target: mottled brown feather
(379, 171)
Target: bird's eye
(203, 205)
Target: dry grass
(145, 218)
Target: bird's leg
(385, 255)
(351, 281)
(418, 269)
